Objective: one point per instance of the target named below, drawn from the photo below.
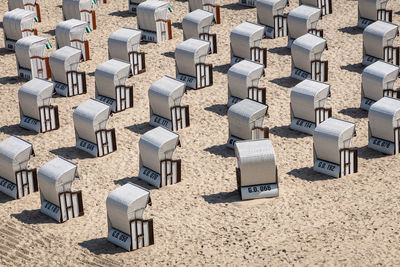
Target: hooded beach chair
(324, 5)
(378, 41)
(157, 167)
(90, 122)
(36, 112)
(58, 201)
(72, 33)
(16, 179)
(197, 24)
(125, 209)
(191, 66)
(30, 5)
(301, 20)
(80, 10)
(257, 173)
(245, 43)
(370, 11)
(17, 24)
(123, 44)
(206, 5)
(306, 58)
(333, 155)
(165, 97)
(246, 120)
(152, 21)
(307, 105)
(68, 81)
(31, 62)
(270, 14)
(110, 78)
(243, 80)
(384, 126)
(377, 81)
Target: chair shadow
(368, 153)
(356, 113)
(308, 174)
(236, 6)
(285, 131)
(287, 82)
(282, 51)
(122, 14)
(101, 246)
(5, 198)
(169, 54)
(16, 130)
(33, 217)
(135, 180)
(219, 109)
(91, 74)
(222, 68)
(353, 30)
(221, 150)
(71, 153)
(397, 13)
(1, 25)
(59, 6)
(4, 52)
(177, 25)
(51, 32)
(140, 128)
(223, 197)
(11, 80)
(353, 68)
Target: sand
(316, 220)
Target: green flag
(48, 45)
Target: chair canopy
(267, 9)
(69, 30)
(149, 12)
(62, 60)
(196, 22)
(368, 8)
(189, 53)
(305, 49)
(17, 20)
(244, 37)
(34, 94)
(28, 47)
(13, 4)
(243, 75)
(301, 19)
(122, 42)
(384, 117)
(110, 74)
(72, 8)
(378, 35)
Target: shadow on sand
(33, 217)
(218, 109)
(356, 113)
(221, 150)
(222, 197)
(71, 153)
(140, 128)
(285, 131)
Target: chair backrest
(196, 22)
(305, 49)
(149, 12)
(302, 19)
(378, 35)
(384, 117)
(27, 47)
(110, 74)
(63, 60)
(34, 94)
(267, 9)
(245, 36)
(16, 21)
(122, 42)
(189, 53)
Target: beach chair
(68, 81)
(246, 120)
(17, 24)
(243, 80)
(16, 179)
(80, 10)
(306, 58)
(123, 44)
(377, 81)
(206, 5)
(307, 105)
(125, 209)
(197, 25)
(30, 5)
(36, 112)
(257, 173)
(378, 41)
(302, 20)
(333, 155)
(245, 43)
(152, 21)
(58, 201)
(191, 66)
(110, 78)
(72, 33)
(165, 97)
(157, 167)
(270, 14)
(90, 122)
(324, 5)
(370, 11)
(31, 60)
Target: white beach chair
(80, 10)
(17, 24)
(126, 226)
(16, 179)
(370, 11)
(324, 5)
(307, 105)
(270, 14)
(72, 33)
(36, 112)
(165, 97)
(257, 173)
(30, 5)
(58, 201)
(206, 5)
(332, 152)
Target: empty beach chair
(133, 5)
(243, 80)
(58, 201)
(31, 62)
(123, 44)
(206, 5)
(270, 15)
(165, 97)
(16, 179)
(257, 173)
(384, 126)
(245, 43)
(36, 112)
(125, 210)
(90, 122)
(157, 167)
(30, 5)
(301, 20)
(332, 152)
(17, 24)
(68, 81)
(81, 10)
(307, 105)
(378, 40)
(110, 78)
(377, 81)
(72, 33)
(370, 11)
(197, 25)
(324, 5)
(191, 66)
(152, 21)
(246, 120)
(306, 58)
